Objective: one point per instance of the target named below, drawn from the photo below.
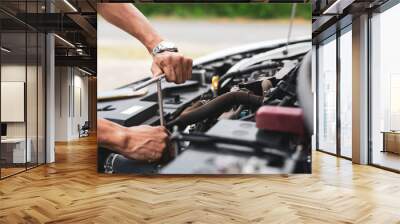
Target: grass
(232, 10)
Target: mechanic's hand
(176, 67)
(145, 142)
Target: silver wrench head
(148, 82)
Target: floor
(10, 171)
(387, 159)
(70, 191)
(13, 170)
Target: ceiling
(329, 15)
(74, 21)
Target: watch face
(167, 45)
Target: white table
(17, 145)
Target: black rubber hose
(216, 107)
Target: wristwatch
(164, 46)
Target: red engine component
(282, 119)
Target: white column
(63, 102)
(360, 90)
(50, 99)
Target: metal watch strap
(158, 49)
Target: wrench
(148, 82)
(160, 102)
(157, 79)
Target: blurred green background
(236, 10)
(198, 29)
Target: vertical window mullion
(0, 90)
(317, 97)
(37, 90)
(338, 76)
(26, 86)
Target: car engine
(246, 110)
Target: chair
(84, 130)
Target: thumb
(156, 70)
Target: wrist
(164, 46)
(152, 43)
(122, 139)
(115, 137)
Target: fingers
(153, 150)
(146, 154)
(149, 144)
(184, 72)
(156, 70)
(159, 144)
(170, 74)
(175, 66)
(150, 150)
(188, 68)
(179, 71)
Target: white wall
(81, 101)
(70, 84)
(14, 73)
(33, 126)
(62, 81)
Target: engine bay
(245, 110)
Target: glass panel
(41, 99)
(31, 98)
(345, 94)
(13, 86)
(385, 84)
(23, 89)
(327, 96)
(32, 89)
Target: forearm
(110, 134)
(131, 20)
(137, 142)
